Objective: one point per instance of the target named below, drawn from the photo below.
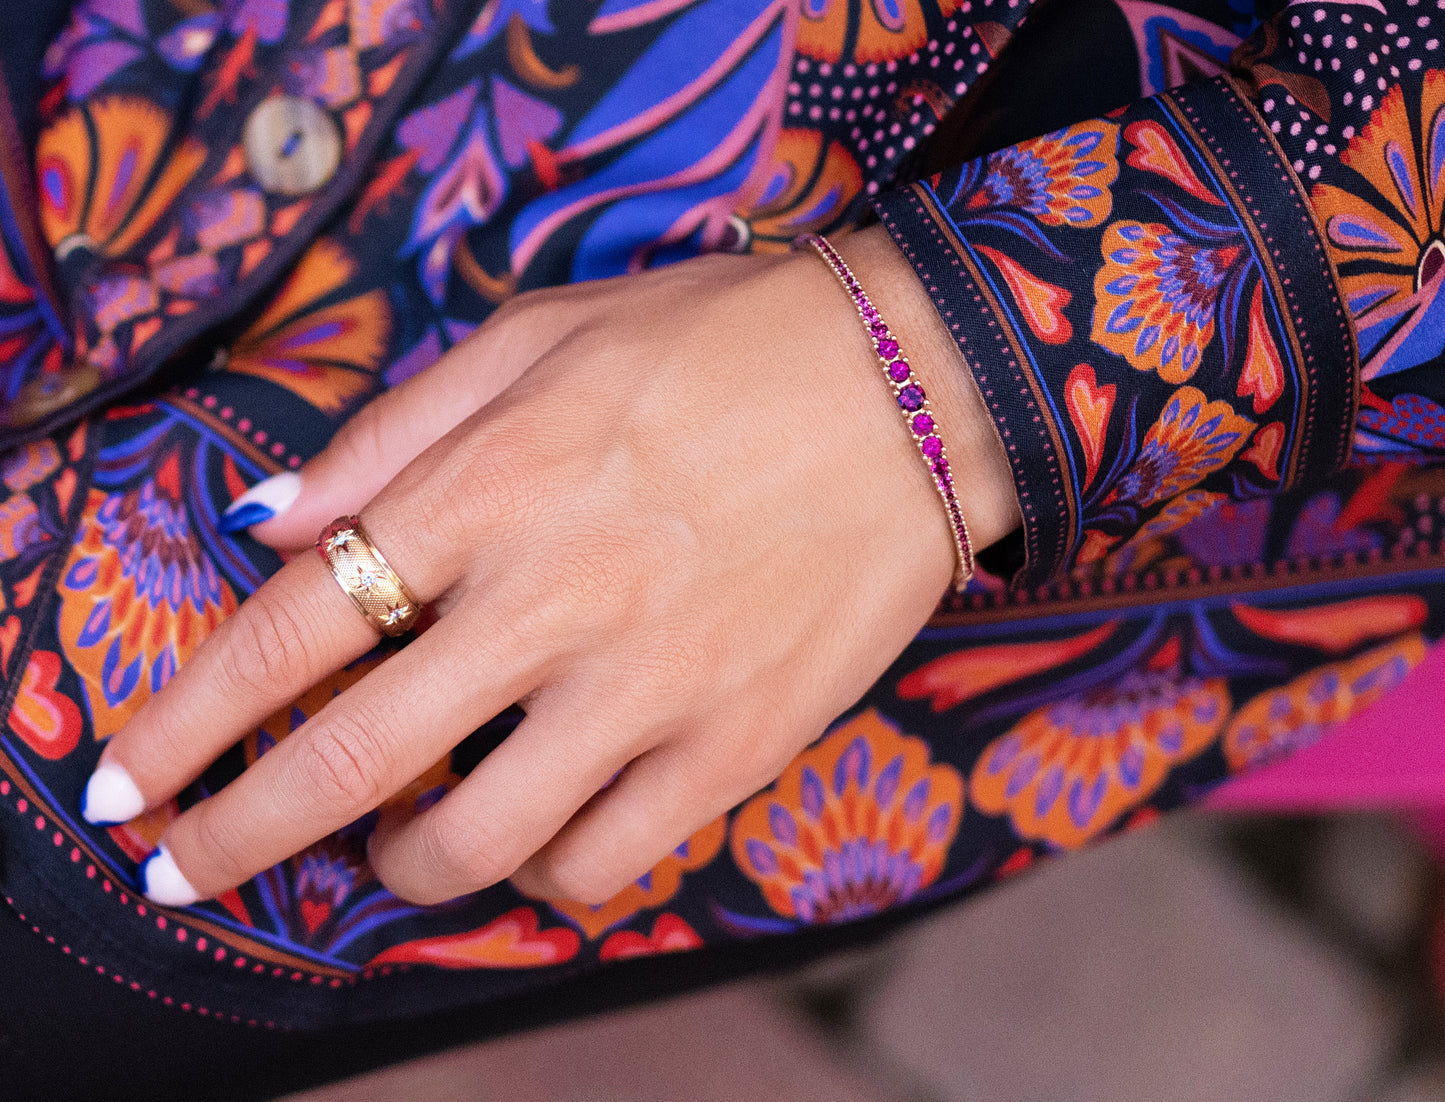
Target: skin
(676, 515)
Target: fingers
(296, 629)
(511, 804)
(660, 800)
(362, 747)
(288, 509)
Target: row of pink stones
(909, 393)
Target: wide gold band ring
(367, 578)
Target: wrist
(983, 479)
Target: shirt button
(43, 396)
(292, 146)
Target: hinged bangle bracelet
(908, 392)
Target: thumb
(287, 510)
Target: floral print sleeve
(1160, 305)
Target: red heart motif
(1089, 407)
(46, 719)
(1155, 151)
(670, 934)
(313, 914)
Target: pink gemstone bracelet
(909, 393)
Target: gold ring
(363, 573)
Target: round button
(43, 396)
(292, 146)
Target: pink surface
(1390, 755)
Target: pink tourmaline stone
(898, 371)
(878, 328)
(932, 446)
(887, 348)
(910, 398)
(922, 425)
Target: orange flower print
(1155, 295)
(137, 595)
(1062, 178)
(1275, 724)
(857, 824)
(886, 29)
(1192, 439)
(1390, 251)
(107, 173)
(1069, 769)
(811, 188)
(324, 348)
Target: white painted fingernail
(110, 797)
(162, 881)
(268, 498)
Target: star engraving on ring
(337, 540)
(365, 579)
(395, 614)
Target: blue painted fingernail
(110, 797)
(163, 882)
(268, 498)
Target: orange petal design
(101, 172)
(1264, 451)
(328, 354)
(137, 596)
(1276, 723)
(809, 189)
(1070, 769)
(857, 823)
(965, 674)
(1335, 628)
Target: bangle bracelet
(910, 396)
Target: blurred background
(1212, 957)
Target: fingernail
(110, 797)
(268, 498)
(162, 881)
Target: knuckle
(477, 851)
(580, 879)
(488, 484)
(220, 846)
(264, 647)
(343, 762)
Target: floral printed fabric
(1212, 592)
(1117, 289)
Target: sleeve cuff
(1150, 315)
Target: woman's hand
(676, 515)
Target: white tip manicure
(111, 797)
(268, 498)
(162, 880)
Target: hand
(676, 515)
